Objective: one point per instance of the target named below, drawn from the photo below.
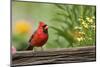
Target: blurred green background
(69, 25)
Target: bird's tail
(30, 47)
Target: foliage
(19, 38)
(69, 25)
(77, 24)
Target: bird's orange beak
(46, 27)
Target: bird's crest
(42, 23)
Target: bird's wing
(31, 37)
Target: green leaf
(60, 6)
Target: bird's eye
(44, 26)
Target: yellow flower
(80, 39)
(22, 26)
(81, 19)
(85, 25)
(79, 28)
(79, 34)
(90, 20)
(90, 38)
(93, 17)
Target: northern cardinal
(39, 37)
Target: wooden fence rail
(54, 56)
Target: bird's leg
(41, 48)
(34, 50)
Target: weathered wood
(53, 56)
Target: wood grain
(55, 56)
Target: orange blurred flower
(22, 26)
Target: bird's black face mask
(45, 28)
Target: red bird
(40, 37)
